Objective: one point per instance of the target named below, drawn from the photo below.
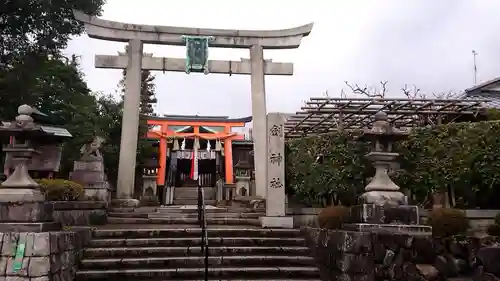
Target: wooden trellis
(323, 115)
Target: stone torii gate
(134, 61)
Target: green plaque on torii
(197, 53)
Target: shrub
(61, 190)
(497, 219)
(447, 222)
(494, 229)
(333, 217)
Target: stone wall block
(43, 278)
(489, 257)
(26, 212)
(55, 263)
(17, 278)
(68, 274)
(356, 264)
(63, 241)
(352, 242)
(66, 260)
(3, 265)
(37, 244)
(23, 272)
(39, 266)
(9, 243)
(54, 242)
(423, 250)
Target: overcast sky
(424, 42)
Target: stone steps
(287, 273)
(180, 220)
(215, 279)
(208, 215)
(209, 209)
(196, 261)
(124, 252)
(183, 193)
(193, 201)
(188, 241)
(156, 254)
(185, 215)
(195, 232)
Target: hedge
(61, 190)
(462, 156)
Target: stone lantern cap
(382, 129)
(151, 163)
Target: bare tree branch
(371, 93)
(343, 94)
(412, 93)
(446, 95)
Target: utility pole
(474, 54)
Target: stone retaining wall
(69, 213)
(303, 216)
(48, 255)
(347, 255)
(479, 219)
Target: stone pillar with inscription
(275, 194)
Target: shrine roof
(56, 131)
(201, 118)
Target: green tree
(39, 26)
(110, 121)
(57, 88)
(32, 71)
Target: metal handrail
(203, 224)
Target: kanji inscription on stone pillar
(276, 165)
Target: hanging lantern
(221, 149)
(176, 145)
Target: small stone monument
(243, 176)
(22, 205)
(149, 187)
(89, 171)
(383, 206)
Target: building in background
(214, 144)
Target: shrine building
(220, 147)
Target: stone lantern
(382, 190)
(149, 192)
(243, 171)
(23, 205)
(383, 206)
(150, 166)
